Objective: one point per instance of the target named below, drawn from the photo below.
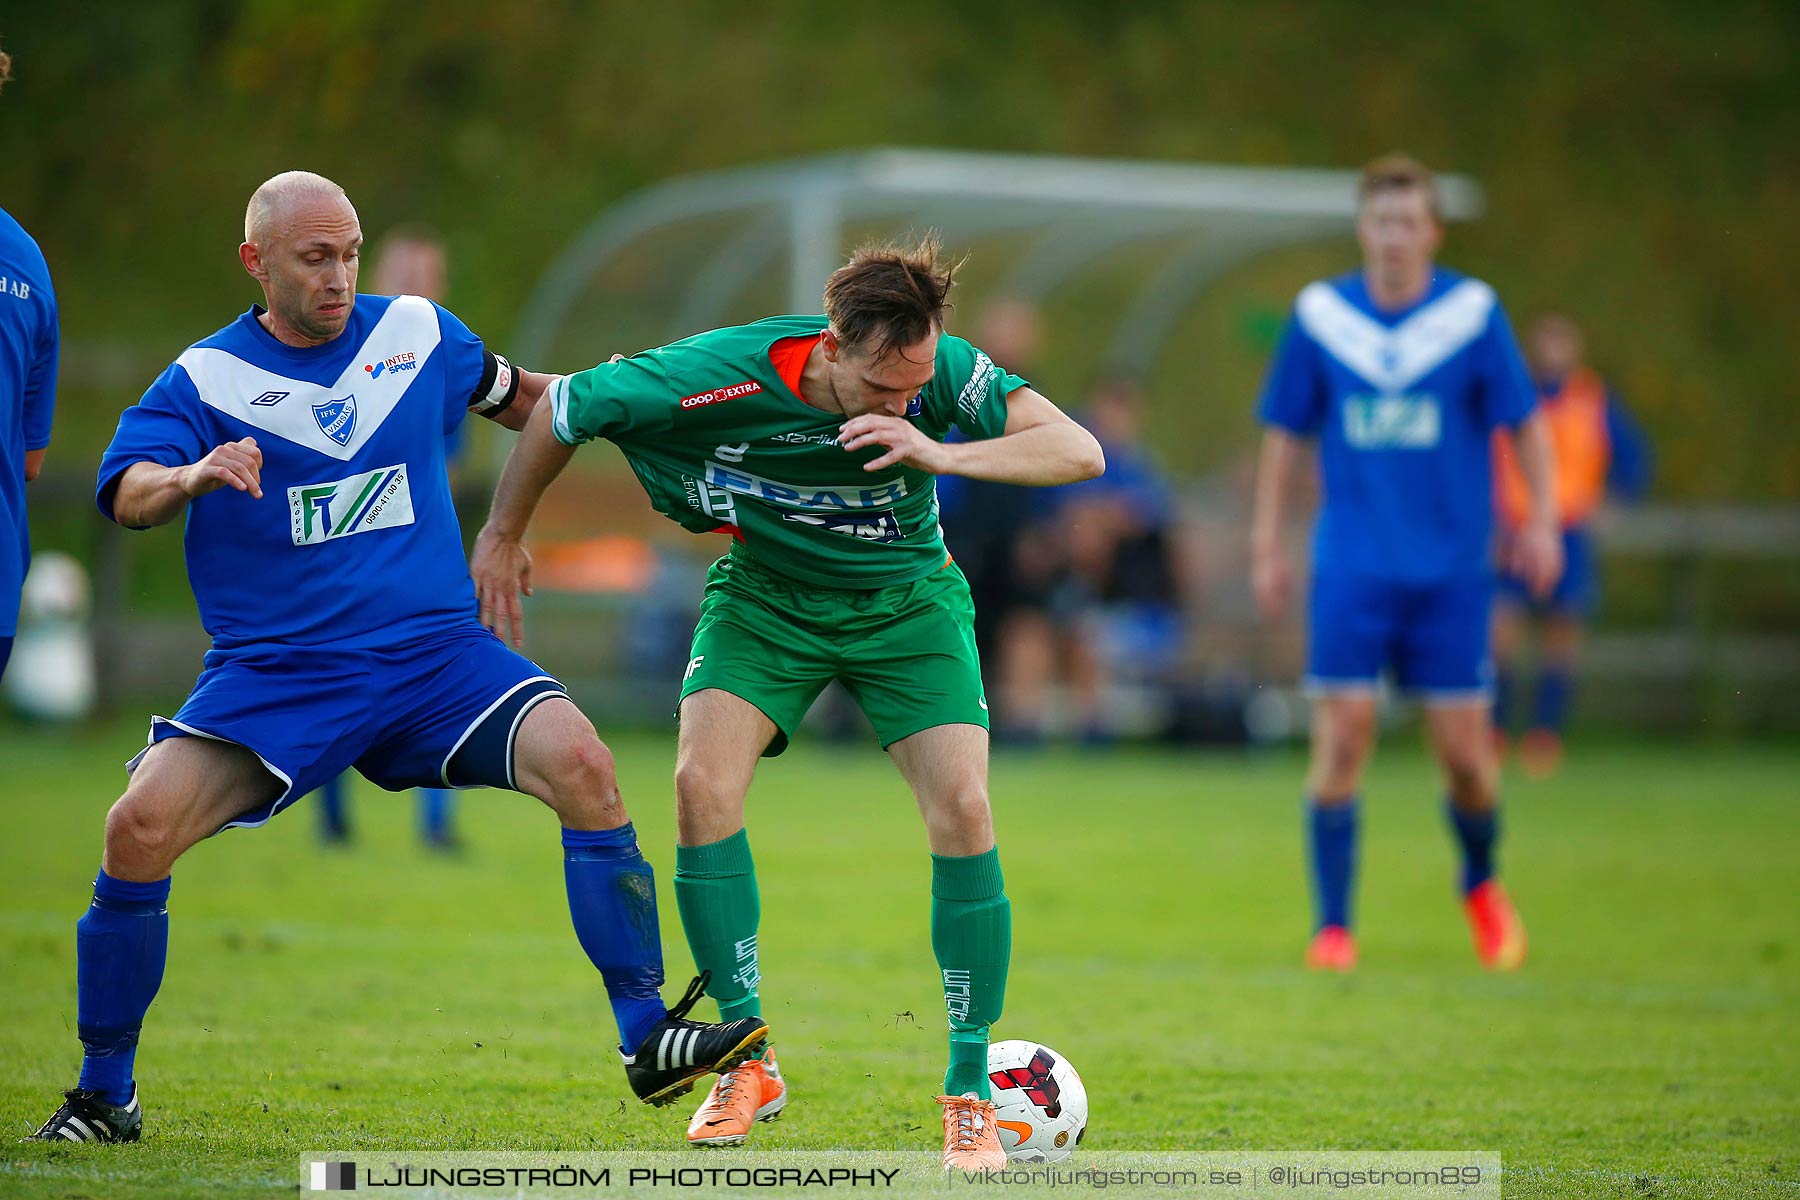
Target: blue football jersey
(28, 345)
(355, 541)
(1403, 405)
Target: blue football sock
(1506, 685)
(1476, 833)
(612, 900)
(1333, 838)
(121, 947)
(1550, 709)
(435, 807)
(334, 819)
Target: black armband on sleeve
(499, 385)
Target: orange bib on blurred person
(1577, 418)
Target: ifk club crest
(337, 418)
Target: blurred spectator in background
(982, 520)
(52, 676)
(28, 346)
(409, 261)
(1098, 557)
(1599, 449)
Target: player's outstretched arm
(152, 495)
(500, 565)
(1271, 576)
(532, 386)
(1040, 447)
(1537, 552)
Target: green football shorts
(905, 653)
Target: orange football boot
(739, 1098)
(1499, 933)
(971, 1139)
(1333, 948)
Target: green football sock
(715, 890)
(971, 933)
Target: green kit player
(813, 441)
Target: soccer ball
(1039, 1103)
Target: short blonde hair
(1398, 173)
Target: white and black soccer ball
(1039, 1102)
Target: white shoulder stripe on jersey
(231, 385)
(1392, 360)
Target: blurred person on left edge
(28, 348)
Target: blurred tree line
(1640, 158)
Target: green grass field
(382, 998)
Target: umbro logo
(268, 398)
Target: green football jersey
(720, 442)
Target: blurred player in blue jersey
(304, 442)
(1599, 451)
(28, 346)
(1401, 371)
(409, 261)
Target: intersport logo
(719, 395)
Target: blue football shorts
(1433, 637)
(441, 711)
(1577, 592)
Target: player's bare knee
(1344, 758)
(584, 786)
(709, 802)
(1469, 777)
(594, 765)
(699, 785)
(141, 834)
(971, 806)
(1339, 761)
(962, 819)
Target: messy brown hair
(1397, 173)
(5, 68)
(890, 294)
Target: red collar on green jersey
(788, 355)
